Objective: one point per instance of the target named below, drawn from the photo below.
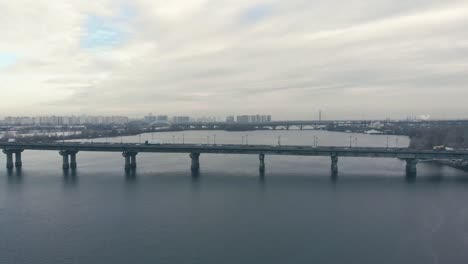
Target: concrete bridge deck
(68, 150)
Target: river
(296, 213)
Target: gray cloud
(205, 57)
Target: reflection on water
(15, 176)
(295, 211)
(131, 175)
(70, 178)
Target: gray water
(296, 213)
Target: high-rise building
(253, 118)
(162, 118)
(150, 118)
(180, 119)
(65, 120)
(243, 119)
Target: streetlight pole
(246, 139)
(214, 139)
(183, 138)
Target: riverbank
(457, 164)
(455, 137)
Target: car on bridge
(152, 142)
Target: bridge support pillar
(127, 162)
(65, 161)
(18, 161)
(73, 163)
(334, 164)
(411, 169)
(261, 167)
(195, 161)
(133, 162)
(9, 158)
(130, 160)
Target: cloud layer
(376, 59)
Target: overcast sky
(288, 58)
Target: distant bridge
(302, 124)
(259, 125)
(69, 150)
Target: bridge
(301, 124)
(69, 150)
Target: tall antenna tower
(320, 115)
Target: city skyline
(163, 118)
(150, 118)
(378, 59)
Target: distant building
(180, 119)
(243, 119)
(230, 119)
(150, 118)
(65, 120)
(207, 119)
(376, 125)
(253, 119)
(162, 118)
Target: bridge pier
(9, 158)
(68, 159)
(127, 162)
(261, 157)
(195, 161)
(18, 161)
(65, 160)
(133, 162)
(130, 160)
(334, 165)
(411, 167)
(73, 163)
